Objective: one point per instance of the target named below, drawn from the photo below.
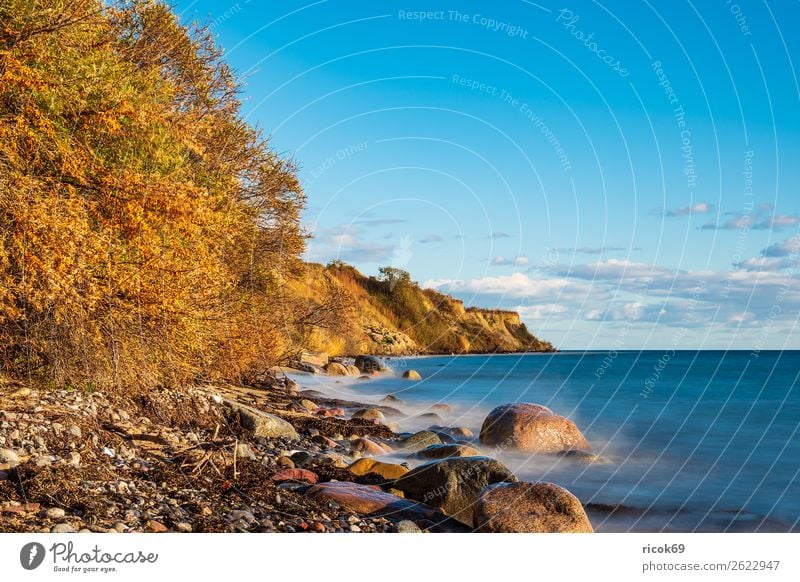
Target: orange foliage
(146, 231)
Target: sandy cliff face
(396, 318)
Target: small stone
(55, 513)
(120, 527)
(75, 431)
(317, 527)
(109, 452)
(10, 457)
(63, 528)
(84, 530)
(355, 528)
(284, 461)
(408, 526)
(243, 451)
(183, 527)
(156, 526)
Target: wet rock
(370, 414)
(529, 508)
(295, 475)
(262, 424)
(411, 375)
(391, 398)
(442, 407)
(368, 447)
(461, 432)
(336, 369)
(453, 485)
(385, 470)
(352, 370)
(421, 440)
(447, 451)
(531, 428)
(369, 364)
(584, 457)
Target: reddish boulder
(529, 508)
(532, 428)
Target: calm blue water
(695, 441)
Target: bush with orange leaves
(146, 231)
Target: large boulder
(448, 451)
(262, 424)
(453, 485)
(531, 428)
(352, 370)
(529, 508)
(369, 364)
(411, 375)
(336, 369)
(372, 501)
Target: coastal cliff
(393, 315)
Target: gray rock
(63, 528)
(262, 424)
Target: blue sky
(622, 173)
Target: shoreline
(217, 458)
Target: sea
(689, 441)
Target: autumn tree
(146, 231)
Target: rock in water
(531, 428)
(262, 424)
(453, 485)
(336, 369)
(369, 364)
(421, 440)
(529, 508)
(370, 414)
(411, 375)
(448, 451)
